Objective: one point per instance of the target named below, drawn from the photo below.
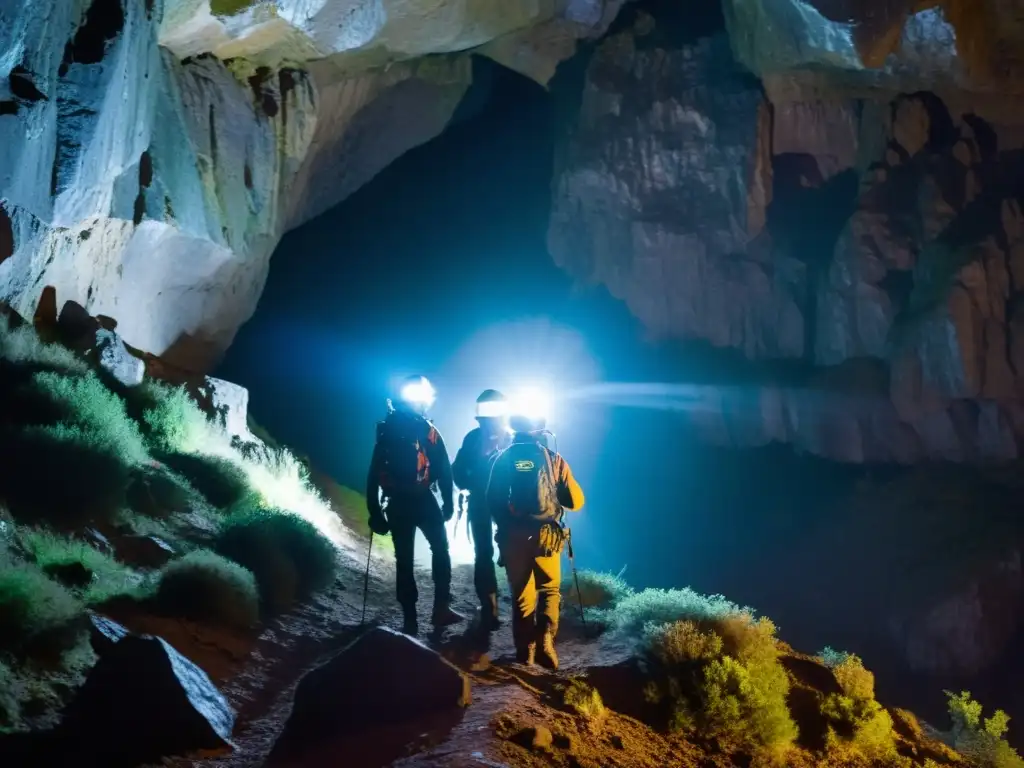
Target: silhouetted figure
(471, 470)
(409, 459)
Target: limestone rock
(144, 701)
(230, 404)
(662, 189)
(382, 677)
(104, 633)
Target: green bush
(981, 741)
(203, 586)
(854, 716)
(596, 589)
(23, 348)
(288, 556)
(49, 550)
(38, 617)
(664, 606)
(584, 700)
(176, 424)
(221, 482)
(155, 491)
(86, 405)
(718, 673)
(61, 476)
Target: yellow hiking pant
(535, 578)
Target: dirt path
(262, 687)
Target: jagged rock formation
(152, 152)
(853, 211)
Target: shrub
(854, 715)
(221, 482)
(597, 590)
(981, 741)
(59, 475)
(23, 348)
(88, 406)
(38, 617)
(288, 556)
(49, 550)
(664, 606)
(205, 587)
(155, 491)
(718, 672)
(176, 424)
(584, 700)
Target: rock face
(152, 153)
(382, 677)
(816, 219)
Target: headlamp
(492, 409)
(418, 392)
(532, 403)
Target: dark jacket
(472, 467)
(569, 492)
(434, 447)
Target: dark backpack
(404, 466)
(533, 493)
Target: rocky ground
(517, 716)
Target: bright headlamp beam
(419, 392)
(494, 409)
(531, 403)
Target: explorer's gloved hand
(379, 523)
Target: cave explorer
(529, 490)
(409, 458)
(471, 470)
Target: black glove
(448, 511)
(379, 524)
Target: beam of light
(492, 409)
(419, 392)
(534, 402)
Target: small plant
(596, 589)
(663, 606)
(53, 552)
(61, 476)
(288, 556)
(981, 741)
(854, 715)
(22, 347)
(584, 700)
(221, 482)
(176, 424)
(38, 617)
(204, 587)
(96, 413)
(156, 492)
(719, 673)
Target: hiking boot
(444, 616)
(547, 657)
(526, 654)
(410, 624)
(489, 621)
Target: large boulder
(144, 701)
(382, 677)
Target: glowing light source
(492, 409)
(419, 392)
(531, 402)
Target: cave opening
(440, 265)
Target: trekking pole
(575, 577)
(366, 579)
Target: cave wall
(744, 179)
(152, 152)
